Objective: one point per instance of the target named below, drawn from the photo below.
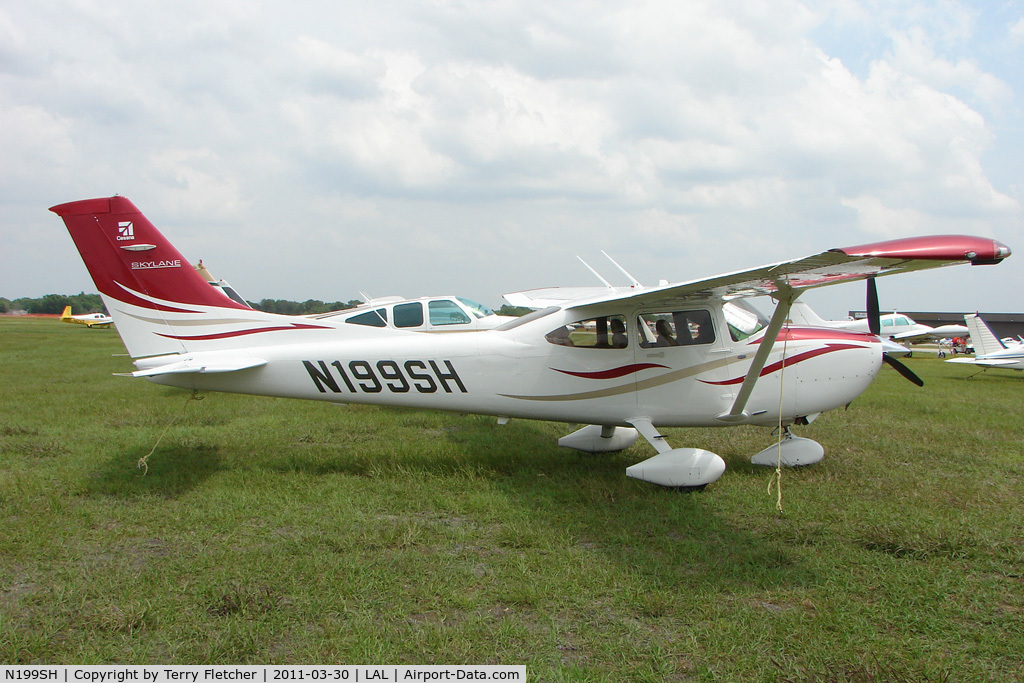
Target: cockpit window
(675, 328)
(446, 312)
(605, 332)
(477, 309)
(744, 320)
(377, 318)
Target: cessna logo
(125, 231)
(359, 376)
(150, 265)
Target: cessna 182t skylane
(625, 361)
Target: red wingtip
(977, 250)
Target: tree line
(54, 304)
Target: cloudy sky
(323, 149)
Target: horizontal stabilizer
(198, 366)
(995, 362)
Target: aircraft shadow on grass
(576, 495)
(583, 495)
(174, 469)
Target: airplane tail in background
(800, 313)
(158, 301)
(66, 315)
(984, 340)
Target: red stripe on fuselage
(613, 373)
(793, 360)
(822, 334)
(242, 333)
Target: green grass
(275, 531)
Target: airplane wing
(559, 296)
(827, 268)
(943, 332)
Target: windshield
(479, 310)
(744, 320)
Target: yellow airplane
(90, 320)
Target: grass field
(275, 531)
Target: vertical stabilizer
(802, 314)
(158, 301)
(128, 257)
(985, 342)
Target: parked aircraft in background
(97, 320)
(989, 350)
(425, 314)
(221, 286)
(626, 361)
(891, 325)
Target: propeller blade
(903, 369)
(874, 317)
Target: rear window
(377, 318)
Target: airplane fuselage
(520, 372)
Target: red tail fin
(125, 253)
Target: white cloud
(1016, 31)
(531, 130)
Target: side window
(675, 328)
(408, 315)
(377, 318)
(605, 332)
(446, 312)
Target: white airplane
(891, 325)
(989, 350)
(90, 320)
(425, 314)
(623, 361)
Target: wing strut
(785, 296)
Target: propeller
(875, 325)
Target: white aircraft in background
(891, 325)
(425, 314)
(989, 350)
(90, 320)
(626, 361)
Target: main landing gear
(684, 468)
